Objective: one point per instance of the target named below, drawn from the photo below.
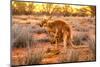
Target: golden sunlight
(44, 7)
(38, 7)
(27, 4)
(78, 7)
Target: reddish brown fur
(61, 31)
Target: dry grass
(35, 57)
(21, 36)
(92, 46)
(29, 57)
(71, 55)
(80, 38)
(83, 29)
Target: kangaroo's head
(44, 22)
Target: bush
(32, 56)
(80, 39)
(35, 57)
(71, 55)
(21, 35)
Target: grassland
(31, 43)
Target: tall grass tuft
(70, 55)
(80, 39)
(21, 36)
(35, 57)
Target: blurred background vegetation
(33, 8)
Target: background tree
(66, 10)
(29, 8)
(93, 10)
